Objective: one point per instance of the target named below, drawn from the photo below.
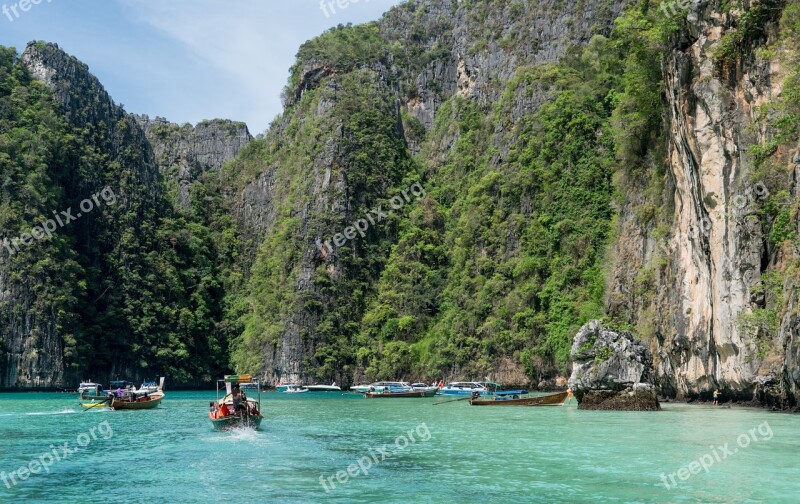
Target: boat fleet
(233, 408)
(399, 389)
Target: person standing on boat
(237, 399)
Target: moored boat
(379, 386)
(324, 388)
(92, 394)
(422, 387)
(88, 386)
(150, 387)
(464, 389)
(295, 389)
(235, 409)
(400, 394)
(360, 388)
(546, 400)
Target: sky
(186, 60)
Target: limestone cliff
(705, 264)
(184, 152)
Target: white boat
(88, 386)
(463, 388)
(324, 388)
(150, 387)
(380, 387)
(295, 389)
(284, 386)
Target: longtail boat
(235, 409)
(135, 400)
(547, 400)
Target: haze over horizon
(186, 60)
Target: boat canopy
(241, 378)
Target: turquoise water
(459, 453)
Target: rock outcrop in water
(611, 370)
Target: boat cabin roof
(465, 384)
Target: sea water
(344, 448)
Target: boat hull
(323, 388)
(236, 422)
(548, 400)
(460, 392)
(400, 395)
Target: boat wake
(65, 411)
(240, 434)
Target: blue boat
(464, 389)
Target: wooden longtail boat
(138, 401)
(129, 403)
(548, 400)
(235, 410)
(396, 395)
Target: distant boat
(378, 386)
(295, 389)
(548, 400)
(400, 394)
(134, 400)
(283, 387)
(324, 388)
(235, 409)
(88, 386)
(422, 387)
(149, 386)
(94, 393)
(464, 389)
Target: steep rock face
(183, 153)
(36, 353)
(705, 261)
(127, 288)
(467, 53)
(611, 370)
(469, 45)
